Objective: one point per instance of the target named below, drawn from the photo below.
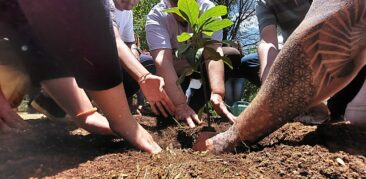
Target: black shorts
(76, 39)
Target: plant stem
(177, 122)
(205, 94)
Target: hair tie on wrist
(143, 78)
(87, 113)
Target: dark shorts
(76, 39)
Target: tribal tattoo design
(315, 57)
(322, 53)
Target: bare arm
(164, 66)
(73, 100)
(267, 49)
(133, 48)
(320, 58)
(151, 85)
(128, 60)
(215, 70)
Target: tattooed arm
(321, 57)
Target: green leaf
(187, 72)
(228, 62)
(218, 25)
(211, 41)
(212, 54)
(208, 33)
(181, 79)
(214, 12)
(229, 42)
(172, 10)
(175, 10)
(199, 55)
(191, 9)
(197, 59)
(205, 22)
(181, 50)
(190, 55)
(202, 41)
(184, 36)
(200, 112)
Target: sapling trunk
(205, 95)
(206, 23)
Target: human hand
(220, 107)
(9, 119)
(136, 135)
(218, 143)
(152, 87)
(202, 143)
(186, 113)
(144, 141)
(94, 123)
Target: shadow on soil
(338, 137)
(49, 148)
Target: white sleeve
(157, 35)
(127, 33)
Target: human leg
(13, 81)
(243, 67)
(89, 48)
(74, 101)
(234, 88)
(14, 84)
(229, 91)
(8, 117)
(239, 84)
(356, 109)
(337, 104)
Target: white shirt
(162, 29)
(124, 20)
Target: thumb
(162, 84)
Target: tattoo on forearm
(291, 84)
(226, 140)
(313, 59)
(318, 55)
(332, 45)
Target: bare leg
(322, 56)
(13, 85)
(74, 100)
(8, 117)
(114, 104)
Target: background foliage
(139, 19)
(239, 11)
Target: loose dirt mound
(60, 150)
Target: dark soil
(59, 150)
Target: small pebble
(340, 161)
